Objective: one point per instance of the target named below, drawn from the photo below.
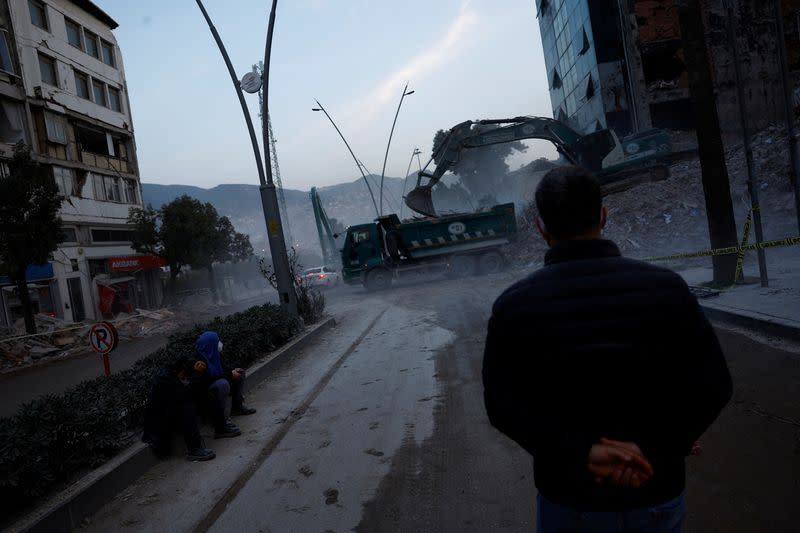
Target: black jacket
(596, 345)
(169, 405)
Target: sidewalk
(774, 309)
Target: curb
(754, 321)
(66, 510)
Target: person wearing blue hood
(218, 382)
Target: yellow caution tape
(745, 241)
(788, 241)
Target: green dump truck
(374, 254)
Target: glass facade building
(585, 63)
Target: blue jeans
(664, 518)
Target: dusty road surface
(57, 375)
(380, 426)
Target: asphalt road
(380, 426)
(56, 375)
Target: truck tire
(462, 266)
(378, 279)
(491, 263)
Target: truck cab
(361, 252)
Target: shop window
(56, 127)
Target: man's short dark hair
(569, 201)
(182, 364)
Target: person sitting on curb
(218, 382)
(170, 405)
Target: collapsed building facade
(619, 64)
(64, 94)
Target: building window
(65, 180)
(111, 235)
(69, 234)
(556, 80)
(111, 186)
(38, 14)
(5, 55)
(590, 88)
(91, 44)
(586, 45)
(114, 99)
(108, 53)
(91, 140)
(56, 128)
(47, 68)
(99, 91)
(11, 122)
(74, 34)
(82, 85)
(131, 191)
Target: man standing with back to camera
(604, 369)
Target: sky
(465, 59)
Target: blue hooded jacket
(207, 348)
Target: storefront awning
(33, 273)
(108, 282)
(135, 262)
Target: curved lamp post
(269, 196)
(416, 152)
(406, 92)
(358, 163)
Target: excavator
(617, 164)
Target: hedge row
(55, 437)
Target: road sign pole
(107, 365)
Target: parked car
(323, 276)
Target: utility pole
(269, 194)
(752, 185)
(794, 151)
(280, 260)
(716, 185)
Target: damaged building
(619, 64)
(64, 93)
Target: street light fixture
(416, 152)
(406, 92)
(358, 163)
(269, 196)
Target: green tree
(188, 232)
(31, 227)
(482, 170)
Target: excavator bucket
(419, 199)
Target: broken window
(6, 64)
(556, 80)
(590, 88)
(11, 126)
(65, 180)
(90, 140)
(586, 44)
(56, 128)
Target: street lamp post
(416, 152)
(406, 92)
(269, 198)
(358, 163)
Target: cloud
(417, 67)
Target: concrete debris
(57, 338)
(666, 217)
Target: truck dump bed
(454, 233)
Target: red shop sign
(135, 262)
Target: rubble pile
(57, 338)
(667, 217)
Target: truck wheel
(491, 263)
(462, 266)
(378, 279)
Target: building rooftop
(91, 8)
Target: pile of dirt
(666, 217)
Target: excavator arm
(599, 152)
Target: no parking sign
(103, 338)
